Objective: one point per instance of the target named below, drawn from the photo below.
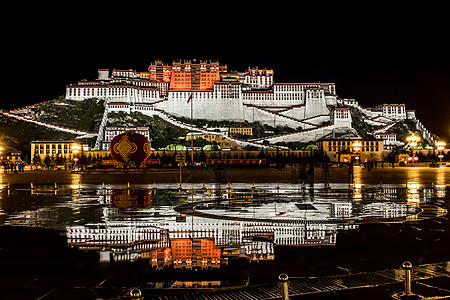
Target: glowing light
(440, 145)
(356, 146)
(76, 148)
(413, 140)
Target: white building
(216, 94)
(389, 139)
(393, 111)
(111, 132)
(342, 117)
(257, 79)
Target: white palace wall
(112, 93)
(204, 106)
(256, 114)
(315, 103)
(225, 102)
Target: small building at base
(64, 149)
(355, 149)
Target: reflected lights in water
(229, 225)
(412, 186)
(75, 181)
(440, 183)
(413, 175)
(412, 193)
(357, 185)
(202, 228)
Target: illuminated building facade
(65, 149)
(11, 157)
(241, 130)
(344, 150)
(208, 90)
(217, 93)
(195, 76)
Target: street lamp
(440, 146)
(412, 141)
(356, 147)
(75, 150)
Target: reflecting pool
(217, 235)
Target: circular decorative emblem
(130, 148)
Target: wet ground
(397, 175)
(38, 261)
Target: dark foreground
(39, 265)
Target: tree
(59, 160)
(200, 142)
(47, 161)
(37, 160)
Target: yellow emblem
(125, 147)
(147, 149)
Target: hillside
(81, 115)
(162, 133)
(87, 115)
(17, 135)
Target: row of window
(342, 114)
(53, 146)
(290, 88)
(107, 92)
(348, 143)
(270, 96)
(48, 151)
(394, 110)
(366, 149)
(241, 130)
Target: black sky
(374, 54)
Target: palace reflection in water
(206, 228)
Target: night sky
(375, 55)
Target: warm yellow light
(412, 140)
(75, 148)
(440, 145)
(356, 146)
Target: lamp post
(412, 141)
(75, 150)
(356, 147)
(440, 146)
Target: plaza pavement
(387, 175)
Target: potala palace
(208, 90)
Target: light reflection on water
(412, 192)
(206, 227)
(413, 175)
